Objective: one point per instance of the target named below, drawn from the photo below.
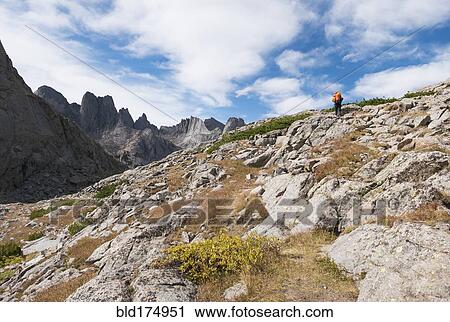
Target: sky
(247, 58)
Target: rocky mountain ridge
(134, 143)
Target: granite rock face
(43, 154)
(190, 133)
(233, 123)
(212, 124)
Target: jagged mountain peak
(212, 124)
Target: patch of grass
(38, 213)
(60, 292)
(6, 275)
(429, 213)
(106, 191)
(271, 125)
(35, 235)
(417, 94)
(78, 225)
(346, 157)
(300, 272)
(221, 255)
(84, 248)
(376, 101)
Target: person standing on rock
(337, 100)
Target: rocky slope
(43, 154)
(378, 177)
(132, 143)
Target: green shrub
(38, 213)
(6, 261)
(35, 235)
(10, 253)
(271, 125)
(77, 226)
(221, 255)
(66, 202)
(106, 191)
(10, 249)
(6, 275)
(376, 101)
(418, 93)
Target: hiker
(337, 100)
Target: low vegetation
(35, 235)
(418, 94)
(271, 125)
(38, 213)
(78, 225)
(10, 253)
(6, 275)
(60, 292)
(299, 272)
(221, 256)
(106, 191)
(84, 248)
(429, 213)
(345, 157)
(376, 101)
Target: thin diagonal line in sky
(355, 69)
(102, 73)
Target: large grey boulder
(408, 262)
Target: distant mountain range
(132, 142)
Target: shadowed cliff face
(43, 154)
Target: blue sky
(248, 58)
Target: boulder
(408, 262)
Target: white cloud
(209, 43)
(39, 63)
(283, 95)
(292, 61)
(371, 23)
(272, 87)
(395, 82)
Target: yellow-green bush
(221, 255)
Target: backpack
(338, 97)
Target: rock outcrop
(212, 124)
(232, 124)
(43, 154)
(409, 262)
(190, 133)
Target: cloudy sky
(247, 58)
